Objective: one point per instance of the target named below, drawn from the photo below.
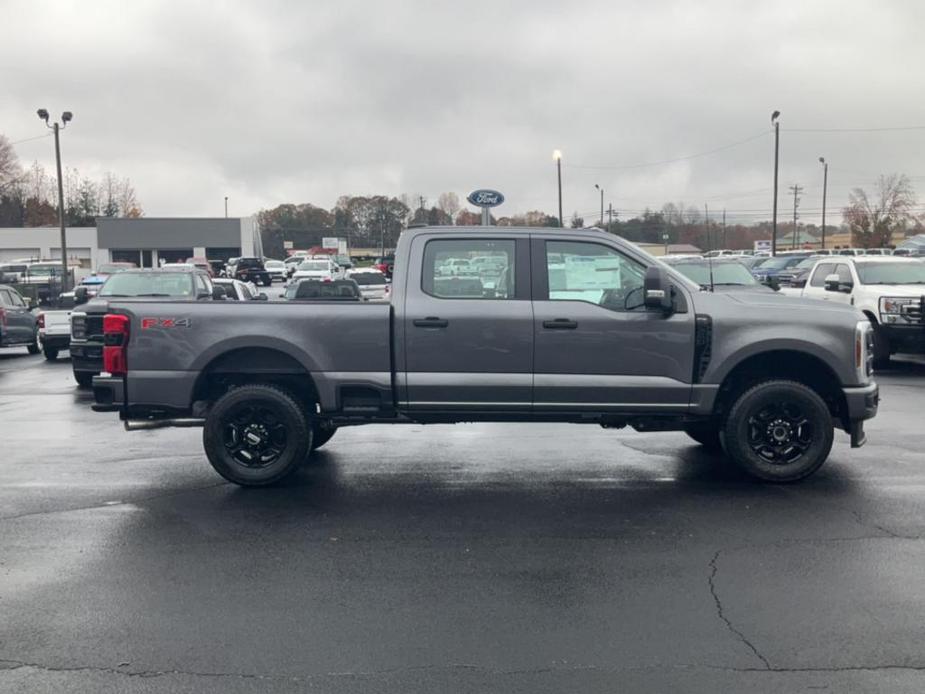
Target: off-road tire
(84, 378)
(34, 347)
(321, 436)
(51, 353)
(763, 435)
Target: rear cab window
(450, 273)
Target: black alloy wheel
(255, 435)
(778, 431)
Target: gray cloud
(284, 101)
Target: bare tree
(449, 203)
(872, 219)
(10, 169)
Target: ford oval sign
(485, 198)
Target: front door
(467, 331)
(596, 345)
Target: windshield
(44, 270)
(778, 263)
(723, 273)
(891, 273)
(315, 265)
(276, 264)
(149, 283)
(364, 278)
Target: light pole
(602, 202)
(65, 119)
(825, 183)
(557, 156)
(776, 124)
(226, 207)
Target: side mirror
(218, 294)
(656, 290)
(80, 296)
(28, 301)
(832, 284)
(774, 283)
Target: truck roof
(496, 229)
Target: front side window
(844, 274)
(823, 270)
(579, 271)
(17, 299)
(891, 273)
(469, 269)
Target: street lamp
(66, 118)
(825, 183)
(557, 156)
(776, 124)
(602, 202)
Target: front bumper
(861, 404)
(86, 356)
(909, 339)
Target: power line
(854, 130)
(30, 139)
(669, 161)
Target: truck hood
(914, 290)
(757, 304)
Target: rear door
(467, 338)
(596, 345)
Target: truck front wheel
(778, 431)
(256, 435)
(321, 436)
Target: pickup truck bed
(574, 326)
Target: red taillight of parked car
(41, 321)
(115, 343)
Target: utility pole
(774, 121)
(65, 119)
(706, 221)
(226, 207)
(602, 202)
(724, 227)
(557, 155)
(796, 203)
(825, 183)
(610, 217)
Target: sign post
(486, 199)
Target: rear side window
(823, 270)
(469, 269)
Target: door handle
(430, 322)
(560, 324)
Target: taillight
(115, 343)
(2, 316)
(41, 321)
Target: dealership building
(147, 242)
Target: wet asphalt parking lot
(482, 558)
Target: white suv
(889, 290)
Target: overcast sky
(270, 102)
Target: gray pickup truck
(538, 325)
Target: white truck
(55, 327)
(889, 290)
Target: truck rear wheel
(51, 353)
(84, 378)
(778, 431)
(256, 435)
(34, 347)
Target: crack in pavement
(10, 665)
(722, 615)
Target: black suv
(252, 270)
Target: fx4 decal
(147, 323)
